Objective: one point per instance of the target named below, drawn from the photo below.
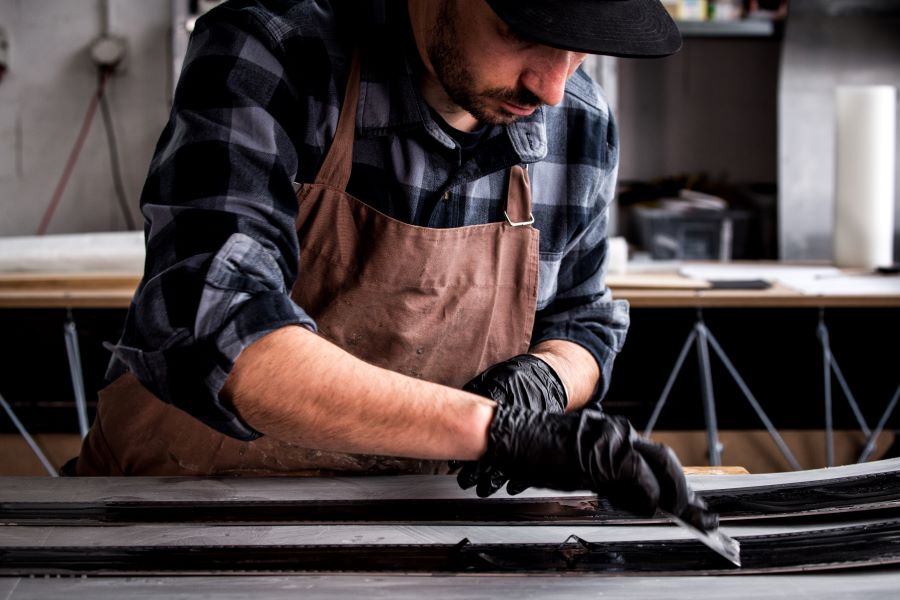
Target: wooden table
(67, 290)
(643, 290)
(668, 289)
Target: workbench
(82, 290)
(67, 290)
(84, 517)
(644, 289)
(654, 287)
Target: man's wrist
(575, 367)
(476, 431)
(552, 370)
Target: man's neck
(420, 18)
(437, 99)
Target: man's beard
(455, 75)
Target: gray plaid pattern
(255, 110)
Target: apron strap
(335, 170)
(518, 198)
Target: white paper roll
(865, 175)
(618, 256)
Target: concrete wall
(45, 94)
(827, 43)
(711, 109)
(697, 111)
(708, 109)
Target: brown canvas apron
(436, 304)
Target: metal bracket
(28, 439)
(519, 223)
(70, 335)
(702, 339)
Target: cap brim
(625, 28)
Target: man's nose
(547, 73)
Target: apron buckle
(519, 223)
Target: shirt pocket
(548, 278)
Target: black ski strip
(878, 493)
(873, 544)
(865, 490)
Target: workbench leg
(851, 399)
(672, 377)
(73, 351)
(826, 382)
(831, 366)
(776, 437)
(870, 444)
(28, 439)
(709, 402)
(702, 338)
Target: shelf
(742, 28)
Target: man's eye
(510, 35)
(514, 38)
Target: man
(454, 171)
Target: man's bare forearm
(296, 386)
(575, 366)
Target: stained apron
(436, 304)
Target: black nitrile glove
(525, 381)
(593, 451)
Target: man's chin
(496, 117)
(504, 120)
(501, 115)
(490, 110)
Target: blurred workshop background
(728, 160)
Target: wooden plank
(778, 296)
(99, 299)
(68, 281)
(716, 471)
(67, 290)
(642, 290)
(658, 281)
(669, 289)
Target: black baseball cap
(626, 28)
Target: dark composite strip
(865, 493)
(872, 544)
(851, 494)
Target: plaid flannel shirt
(255, 110)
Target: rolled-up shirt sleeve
(219, 210)
(581, 308)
